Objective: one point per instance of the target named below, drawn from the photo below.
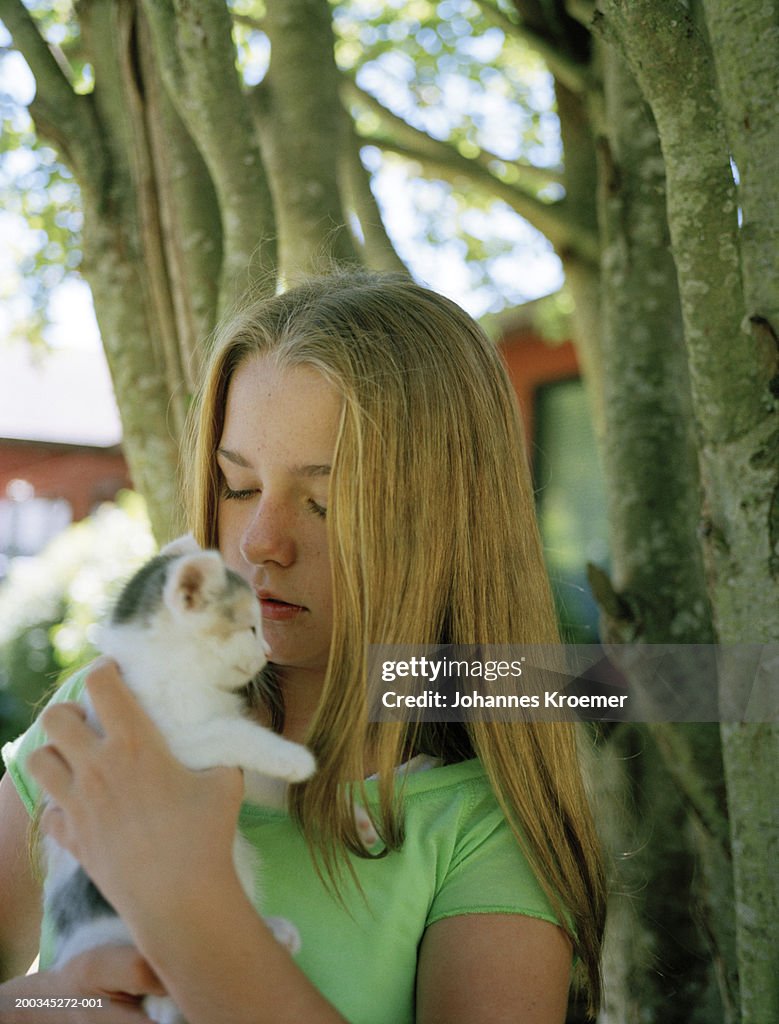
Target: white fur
(185, 666)
(185, 670)
(103, 931)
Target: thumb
(116, 971)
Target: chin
(282, 659)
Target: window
(570, 501)
(28, 523)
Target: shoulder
(453, 821)
(492, 948)
(454, 801)
(16, 752)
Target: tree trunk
(301, 134)
(745, 41)
(196, 56)
(672, 951)
(126, 267)
(178, 211)
(659, 589)
(732, 366)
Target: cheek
(317, 556)
(229, 531)
(324, 583)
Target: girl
(357, 458)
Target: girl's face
(274, 458)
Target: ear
(186, 545)
(192, 580)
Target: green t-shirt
(458, 857)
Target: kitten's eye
(254, 630)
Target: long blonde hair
(433, 539)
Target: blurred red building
(60, 435)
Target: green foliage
(448, 71)
(445, 68)
(49, 604)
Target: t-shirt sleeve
(16, 752)
(488, 872)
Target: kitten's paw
(298, 764)
(365, 829)
(162, 1010)
(285, 933)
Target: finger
(131, 1013)
(133, 974)
(118, 1011)
(50, 771)
(119, 971)
(73, 707)
(67, 728)
(104, 667)
(54, 824)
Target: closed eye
(240, 495)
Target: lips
(275, 609)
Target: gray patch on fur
(236, 582)
(141, 596)
(76, 902)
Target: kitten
(187, 635)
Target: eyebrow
(306, 471)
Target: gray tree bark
(658, 590)
(732, 355)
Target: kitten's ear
(192, 580)
(186, 545)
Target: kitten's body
(187, 636)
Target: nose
(268, 535)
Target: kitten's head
(219, 612)
(187, 602)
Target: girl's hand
(140, 823)
(157, 840)
(114, 977)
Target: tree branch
(195, 51)
(443, 160)
(697, 790)
(375, 246)
(248, 21)
(61, 116)
(574, 75)
(744, 42)
(673, 66)
(415, 138)
(300, 134)
(582, 11)
(551, 219)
